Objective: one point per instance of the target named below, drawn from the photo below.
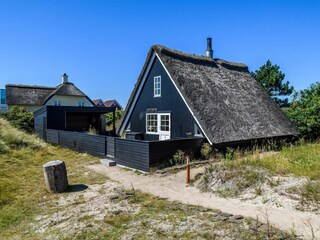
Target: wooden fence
(131, 153)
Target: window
(57, 103)
(157, 86)
(152, 123)
(165, 123)
(197, 131)
(158, 123)
(81, 104)
(3, 96)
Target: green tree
(304, 111)
(109, 119)
(272, 80)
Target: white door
(164, 126)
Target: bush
(109, 119)
(3, 147)
(304, 111)
(178, 158)
(206, 151)
(20, 118)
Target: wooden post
(114, 122)
(55, 175)
(188, 172)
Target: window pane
(165, 123)
(152, 125)
(157, 86)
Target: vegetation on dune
(23, 197)
(161, 219)
(22, 189)
(20, 118)
(245, 173)
(303, 160)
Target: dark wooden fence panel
(52, 136)
(81, 142)
(93, 144)
(137, 154)
(161, 151)
(110, 146)
(39, 125)
(132, 153)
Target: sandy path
(173, 188)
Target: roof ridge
(178, 53)
(29, 86)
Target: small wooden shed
(79, 119)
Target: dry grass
(22, 189)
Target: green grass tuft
(301, 160)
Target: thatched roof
(27, 94)
(39, 95)
(67, 89)
(229, 104)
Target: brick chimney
(64, 78)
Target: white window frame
(57, 103)
(150, 132)
(157, 80)
(158, 132)
(81, 103)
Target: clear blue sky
(102, 45)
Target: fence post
(188, 171)
(114, 147)
(105, 146)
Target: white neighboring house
(34, 97)
(3, 105)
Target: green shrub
(20, 118)
(3, 147)
(206, 151)
(230, 153)
(109, 119)
(304, 111)
(178, 158)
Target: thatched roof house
(33, 97)
(221, 99)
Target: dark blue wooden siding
(182, 122)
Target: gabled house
(109, 103)
(113, 103)
(179, 95)
(34, 97)
(98, 103)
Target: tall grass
(303, 160)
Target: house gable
(170, 101)
(69, 101)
